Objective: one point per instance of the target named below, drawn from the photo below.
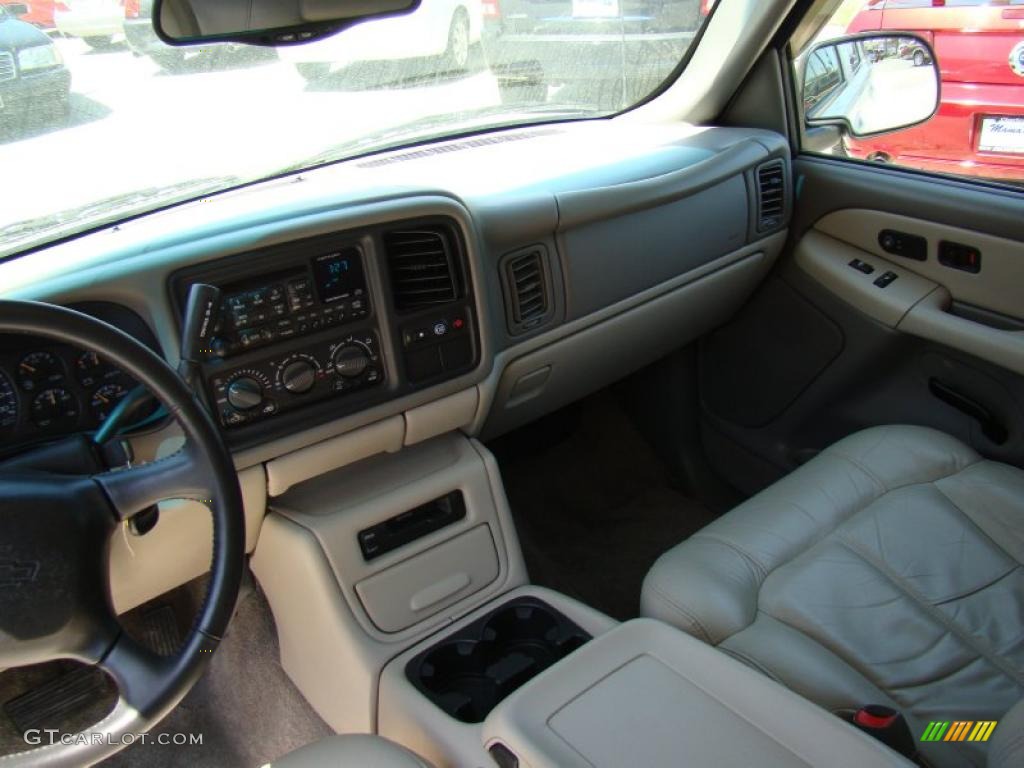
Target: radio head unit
(327, 291)
(311, 330)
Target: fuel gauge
(91, 369)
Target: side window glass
(883, 85)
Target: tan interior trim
(827, 260)
(910, 304)
(179, 548)
(930, 319)
(997, 287)
(409, 718)
(606, 704)
(445, 415)
(285, 471)
(309, 563)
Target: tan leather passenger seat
(887, 570)
(350, 751)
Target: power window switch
(862, 266)
(885, 279)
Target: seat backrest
(1007, 746)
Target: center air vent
(771, 196)
(527, 289)
(421, 262)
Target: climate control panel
(342, 365)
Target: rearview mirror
(870, 83)
(264, 22)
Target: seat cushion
(886, 570)
(350, 750)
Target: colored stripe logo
(959, 730)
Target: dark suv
(34, 83)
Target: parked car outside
(834, 79)
(39, 13)
(979, 127)
(916, 52)
(143, 41)
(437, 28)
(34, 83)
(626, 48)
(98, 22)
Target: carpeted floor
(593, 504)
(246, 708)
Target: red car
(40, 12)
(979, 127)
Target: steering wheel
(55, 533)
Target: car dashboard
(470, 284)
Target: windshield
(100, 120)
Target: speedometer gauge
(8, 403)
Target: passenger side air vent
(771, 196)
(527, 289)
(422, 265)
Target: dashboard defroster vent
(422, 266)
(527, 289)
(771, 195)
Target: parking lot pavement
(133, 126)
(903, 93)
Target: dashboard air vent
(527, 289)
(771, 195)
(421, 262)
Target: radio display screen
(339, 275)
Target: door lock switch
(886, 279)
(862, 266)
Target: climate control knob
(351, 360)
(245, 393)
(298, 377)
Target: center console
(403, 609)
(645, 693)
(323, 327)
(361, 563)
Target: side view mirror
(869, 83)
(264, 22)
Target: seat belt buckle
(888, 726)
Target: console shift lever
(197, 332)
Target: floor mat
(593, 504)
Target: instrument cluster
(49, 390)
(52, 390)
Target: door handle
(991, 427)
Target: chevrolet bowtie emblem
(14, 573)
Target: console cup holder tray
(469, 672)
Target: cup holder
(468, 673)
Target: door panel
(821, 351)
(997, 286)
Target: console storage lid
(645, 693)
